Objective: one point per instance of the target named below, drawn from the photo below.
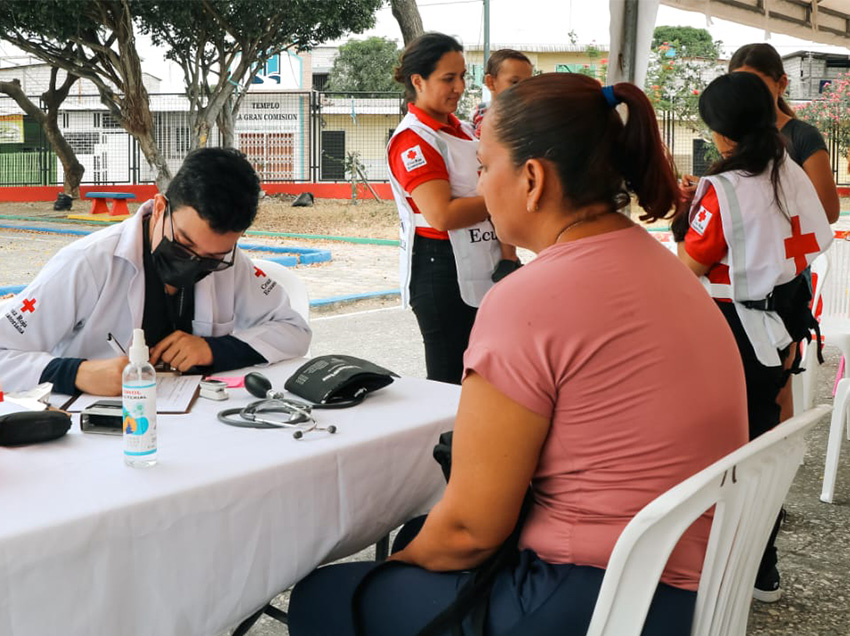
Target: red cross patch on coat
(413, 158)
(701, 220)
(799, 244)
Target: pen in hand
(116, 346)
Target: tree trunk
(71, 167)
(48, 121)
(407, 15)
(225, 121)
(132, 108)
(153, 154)
(201, 129)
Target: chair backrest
(291, 283)
(836, 291)
(746, 488)
(803, 384)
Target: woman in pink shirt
(601, 374)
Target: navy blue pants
(533, 598)
(444, 319)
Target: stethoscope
(266, 412)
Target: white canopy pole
(631, 26)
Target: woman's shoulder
(800, 127)
(411, 131)
(803, 140)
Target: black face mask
(175, 267)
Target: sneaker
(767, 589)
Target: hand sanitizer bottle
(139, 399)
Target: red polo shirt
(413, 161)
(705, 241)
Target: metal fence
(693, 151)
(288, 137)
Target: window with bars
(82, 143)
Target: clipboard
(175, 394)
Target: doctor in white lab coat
(172, 269)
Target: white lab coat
(97, 285)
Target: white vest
(765, 249)
(475, 248)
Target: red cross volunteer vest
(768, 245)
(475, 248)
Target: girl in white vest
(756, 223)
(449, 248)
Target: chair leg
(270, 610)
(382, 549)
(248, 623)
(836, 431)
(277, 614)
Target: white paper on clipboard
(174, 394)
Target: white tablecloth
(229, 517)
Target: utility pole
(486, 31)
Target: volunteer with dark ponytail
(448, 245)
(756, 223)
(583, 378)
(805, 144)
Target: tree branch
(13, 90)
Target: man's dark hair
(221, 185)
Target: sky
(514, 22)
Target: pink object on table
(232, 382)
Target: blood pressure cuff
(337, 378)
(32, 427)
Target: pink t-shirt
(617, 342)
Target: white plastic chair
(803, 384)
(835, 328)
(295, 288)
(747, 488)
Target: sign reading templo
(264, 114)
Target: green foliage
(679, 70)
(256, 28)
(674, 81)
(687, 41)
(830, 112)
(365, 66)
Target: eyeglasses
(204, 262)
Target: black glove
(504, 268)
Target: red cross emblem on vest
(701, 216)
(798, 245)
(411, 154)
(258, 272)
(29, 305)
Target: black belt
(766, 304)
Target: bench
(101, 200)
